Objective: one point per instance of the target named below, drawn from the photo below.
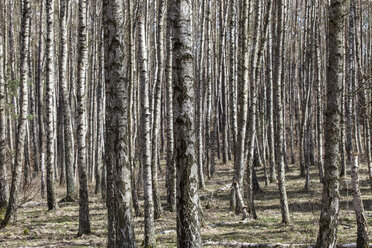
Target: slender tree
(171, 167)
(50, 105)
(3, 155)
(200, 99)
(40, 82)
(279, 120)
(239, 160)
(22, 119)
(67, 118)
(233, 90)
(362, 227)
(84, 223)
(145, 133)
(157, 110)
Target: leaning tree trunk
(188, 225)
(250, 140)
(84, 223)
(253, 79)
(119, 193)
(22, 119)
(50, 106)
(327, 236)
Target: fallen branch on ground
(277, 245)
(242, 245)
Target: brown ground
(36, 227)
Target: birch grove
(180, 123)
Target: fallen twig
(242, 245)
(276, 245)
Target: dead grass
(36, 227)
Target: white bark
(84, 223)
(22, 119)
(50, 106)
(188, 222)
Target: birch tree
(362, 226)
(119, 193)
(50, 105)
(67, 118)
(239, 160)
(145, 133)
(22, 119)
(188, 225)
(3, 153)
(279, 120)
(84, 222)
(171, 167)
(327, 236)
(157, 110)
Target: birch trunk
(100, 117)
(362, 227)
(145, 134)
(319, 100)
(243, 108)
(223, 81)
(171, 166)
(327, 236)
(208, 143)
(279, 120)
(50, 106)
(84, 223)
(200, 100)
(233, 89)
(40, 101)
(119, 193)
(3, 142)
(270, 106)
(158, 211)
(22, 119)
(188, 225)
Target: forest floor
(36, 227)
